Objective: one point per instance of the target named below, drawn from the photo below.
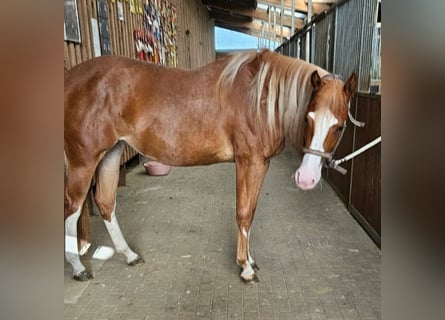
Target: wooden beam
(228, 16)
(300, 5)
(258, 14)
(230, 4)
(324, 1)
(254, 28)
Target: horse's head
(324, 122)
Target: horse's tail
(84, 230)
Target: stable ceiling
(257, 17)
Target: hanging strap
(355, 122)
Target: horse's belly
(184, 152)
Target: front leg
(250, 175)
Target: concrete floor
(315, 261)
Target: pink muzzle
(309, 172)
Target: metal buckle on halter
(331, 164)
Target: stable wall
(194, 33)
(360, 187)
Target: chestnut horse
(239, 109)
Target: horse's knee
(244, 221)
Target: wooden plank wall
(360, 188)
(121, 32)
(195, 35)
(366, 180)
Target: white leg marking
(248, 272)
(251, 261)
(249, 257)
(70, 244)
(118, 239)
(103, 253)
(244, 232)
(71, 225)
(71, 251)
(84, 246)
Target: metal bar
(360, 55)
(281, 22)
(308, 33)
(319, 17)
(298, 48)
(292, 28)
(268, 27)
(328, 39)
(260, 38)
(274, 20)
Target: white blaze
(323, 120)
(309, 173)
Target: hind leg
(76, 187)
(106, 187)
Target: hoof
(136, 262)
(255, 266)
(252, 280)
(83, 276)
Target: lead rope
(357, 152)
(334, 164)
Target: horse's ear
(351, 85)
(253, 66)
(315, 80)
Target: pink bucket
(155, 168)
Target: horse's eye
(305, 120)
(340, 129)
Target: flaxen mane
(281, 88)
